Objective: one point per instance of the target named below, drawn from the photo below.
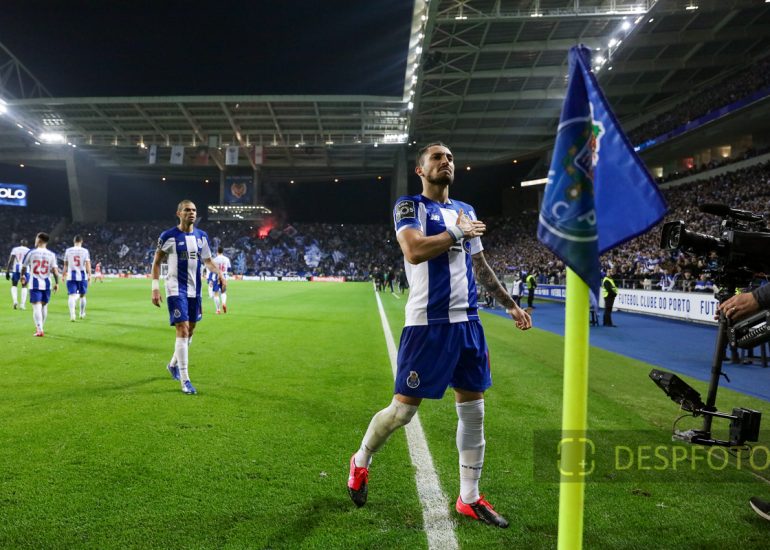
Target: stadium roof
(485, 76)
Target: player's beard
(442, 178)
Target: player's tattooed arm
(489, 280)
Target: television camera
(741, 250)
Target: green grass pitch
(100, 449)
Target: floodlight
(52, 137)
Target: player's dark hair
(78, 239)
(220, 250)
(423, 150)
(24, 242)
(45, 237)
(182, 203)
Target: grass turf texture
(100, 449)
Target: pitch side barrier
(688, 306)
(290, 278)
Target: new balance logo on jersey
(435, 217)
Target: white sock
(71, 301)
(470, 445)
(23, 297)
(216, 301)
(14, 294)
(224, 298)
(181, 357)
(384, 423)
(45, 315)
(82, 305)
(37, 315)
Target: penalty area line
(438, 526)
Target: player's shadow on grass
(293, 533)
(111, 345)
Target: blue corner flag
(599, 193)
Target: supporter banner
(239, 190)
(274, 278)
(231, 156)
(328, 279)
(259, 155)
(549, 292)
(690, 306)
(13, 194)
(177, 155)
(201, 156)
(152, 154)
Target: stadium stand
(733, 88)
(352, 251)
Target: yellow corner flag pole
(572, 447)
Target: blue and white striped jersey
(76, 258)
(18, 253)
(441, 290)
(40, 263)
(186, 254)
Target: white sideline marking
(439, 527)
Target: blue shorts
(182, 308)
(77, 287)
(215, 286)
(15, 278)
(433, 357)
(36, 296)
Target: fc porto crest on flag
(599, 194)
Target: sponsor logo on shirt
(435, 217)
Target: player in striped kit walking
(37, 268)
(187, 250)
(13, 273)
(77, 270)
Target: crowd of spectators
(354, 251)
(640, 263)
(729, 90)
(714, 163)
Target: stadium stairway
(677, 346)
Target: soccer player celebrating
(39, 264)
(13, 272)
(77, 270)
(443, 342)
(220, 294)
(186, 249)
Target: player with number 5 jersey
(77, 269)
(38, 266)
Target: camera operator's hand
(739, 306)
